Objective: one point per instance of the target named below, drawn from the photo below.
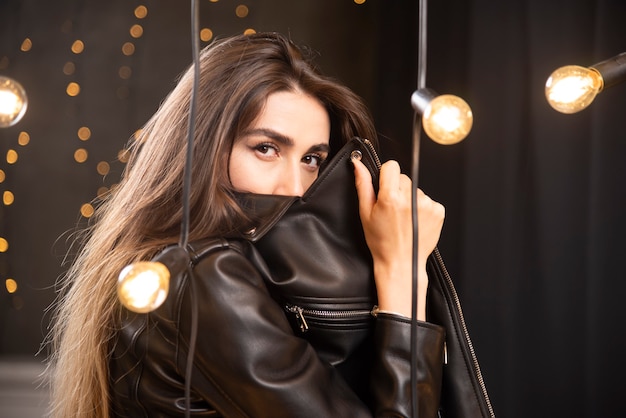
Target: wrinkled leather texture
(252, 357)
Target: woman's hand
(387, 224)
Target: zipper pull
(304, 327)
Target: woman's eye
(267, 150)
(313, 161)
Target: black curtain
(534, 228)
(534, 232)
(538, 231)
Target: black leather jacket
(282, 333)
(285, 325)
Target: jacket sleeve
(248, 362)
(391, 384)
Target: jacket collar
(263, 210)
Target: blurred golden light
(12, 156)
(206, 34)
(78, 46)
(23, 138)
(241, 10)
(73, 89)
(4, 245)
(84, 133)
(26, 46)
(80, 155)
(141, 12)
(249, 31)
(102, 192)
(125, 72)
(448, 119)
(359, 1)
(123, 155)
(2, 176)
(136, 31)
(128, 48)
(13, 102)
(87, 210)
(69, 68)
(8, 198)
(143, 286)
(11, 285)
(572, 88)
(103, 168)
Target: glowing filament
(13, 102)
(572, 88)
(447, 119)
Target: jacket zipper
(370, 146)
(300, 314)
(457, 304)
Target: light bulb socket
(612, 70)
(420, 99)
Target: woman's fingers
(390, 180)
(387, 217)
(364, 188)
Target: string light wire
(184, 233)
(417, 128)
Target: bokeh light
(80, 155)
(87, 210)
(78, 46)
(11, 285)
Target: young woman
(267, 121)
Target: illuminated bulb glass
(572, 88)
(142, 287)
(447, 119)
(13, 102)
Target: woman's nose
(290, 182)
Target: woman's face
(282, 150)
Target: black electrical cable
(195, 49)
(417, 128)
(184, 234)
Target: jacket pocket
(305, 318)
(336, 332)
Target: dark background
(534, 235)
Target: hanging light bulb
(447, 119)
(13, 102)
(572, 88)
(143, 286)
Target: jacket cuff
(391, 377)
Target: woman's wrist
(394, 288)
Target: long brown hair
(144, 213)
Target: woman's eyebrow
(284, 139)
(322, 147)
(270, 133)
